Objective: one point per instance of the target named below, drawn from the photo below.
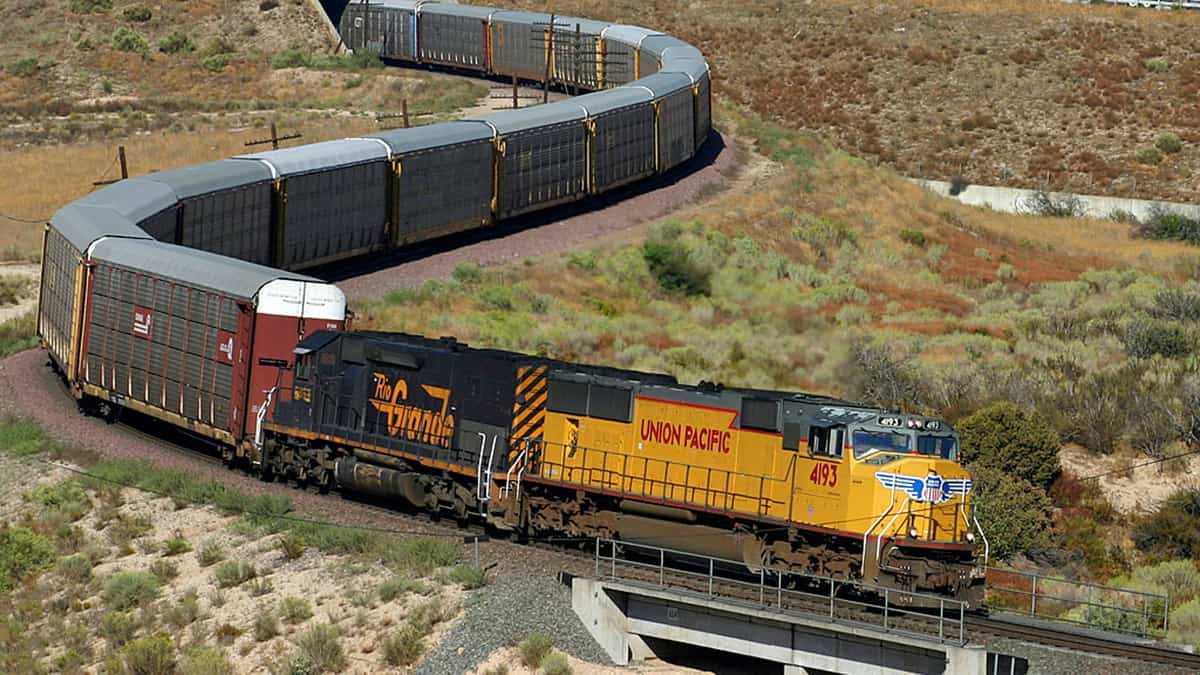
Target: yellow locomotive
(806, 483)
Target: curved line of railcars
(298, 207)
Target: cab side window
(826, 442)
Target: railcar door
(820, 482)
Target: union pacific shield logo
(932, 488)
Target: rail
(1081, 603)
(809, 596)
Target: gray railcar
(543, 152)
(697, 70)
(387, 28)
(622, 46)
(579, 56)
(71, 231)
(676, 117)
(150, 206)
(455, 35)
(520, 44)
(657, 50)
(442, 179)
(621, 145)
(224, 207)
(331, 200)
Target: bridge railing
(922, 616)
(1078, 602)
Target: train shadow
(342, 270)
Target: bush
(267, 5)
(467, 273)
(292, 545)
(1053, 205)
(137, 13)
(673, 267)
(422, 555)
(184, 612)
(117, 628)
(534, 648)
(22, 68)
(164, 569)
(76, 568)
(127, 590)
(295, 610)
(178, 41)
(291, 58)
(1005, 437)
(215, 62)
(90, 6)
(469, 577)
(320, 643)
(1185, 623)
(914, 237)
(234, 573)
(210, 553)
(396, 586)
(1144, 338)
(126, 40)
(205, 660)
(1148, 155)
(150, 655)
(1174, 530)
(1168, 142)
(1162, 223)
(405, 646)
(176, 546)
(266, 625)
(23, 553)
(1157, 64)
(556, 663)
(1013, 512)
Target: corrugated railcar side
(676, 117)
(455, 35)
(520, 44)
(622, 137)
(387, 28)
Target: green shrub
(823, 234)
(266, 625)
(178, 41)
(405, 646)
(556, 663)
(205, 660)
(127, 590)
(1144, 338)
(1185, 623)
(1162, 223)
(215, 62)
(117, 628)
(1013, 512)
(17, 335)
(295, 610)
(1005, 437)
(534, 648)
(291, 58)
(422, 555)
(22, 438)
(150, 655)
(176, 546)
(137, 13)
(1177, 304)
(210, 553)
(90, 6)
(469, 577)
(467, 273)
(1173, 531)
(320, 643)
(164, 569)
(1177, 578)
(914, 237)
(184, 612)
(23, 553)
(292, 545)
(396, 586)
(673, 267)
(1168, 142)
(1157, 64)
(68, 496)
(22, 68)
(127, 40)
(234, 573)
(217, 46)
(76, 568)
(1148, 155)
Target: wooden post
(404, 111)
(274, 137)
(124, 166)
(515, 103)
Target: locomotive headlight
(971, 537)
(912, 532)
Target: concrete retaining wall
(1013, 200)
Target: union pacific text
(674, 433)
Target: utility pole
(124, 168)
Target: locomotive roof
(198, 179)
(191, 266)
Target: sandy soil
(1141, 490)
(27, 303)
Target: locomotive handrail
(260, 417)
(867, 534)
(886, 528)
(986, 546)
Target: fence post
(597, 557)
(831, 591)
(886, 608)
(941, 619)
(1033, 597)
(710, 577)
(762, 582)
(662, 567)
(778, 591)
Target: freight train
(176, 295)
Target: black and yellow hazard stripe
(529, 408)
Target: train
(182, 295)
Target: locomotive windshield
(945, 447)
(866, 442)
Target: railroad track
(1065, 638)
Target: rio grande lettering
(409, 422)
(673, 433)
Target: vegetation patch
(23, 553)
(129, 590)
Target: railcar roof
(459, 10)
(198, 179)
(600, 102)
(666, 83)
(82, 224)
(191, 266)
(435, 135)
(135, 198)
(317, 156)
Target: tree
(1010, 440)
(1014, 513)
(1174, 530)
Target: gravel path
(506, 612)
(582, 225)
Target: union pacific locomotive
(793, 481)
